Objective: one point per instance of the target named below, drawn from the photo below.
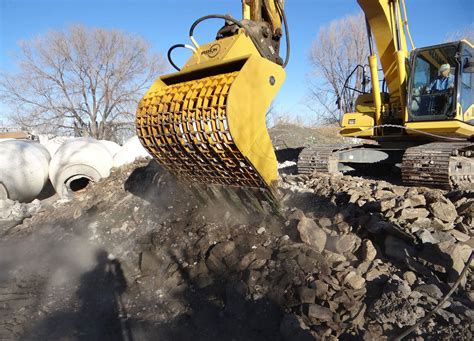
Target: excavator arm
(385, 27)
(205, 123)
(384, 21)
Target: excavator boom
(384, 19)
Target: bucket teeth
(185, 127)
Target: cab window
(467, 88)
(433, 84)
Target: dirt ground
(287, 135)
(138, 256)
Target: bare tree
(465, 32)
(83, 81)
(337, 50)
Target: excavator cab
(440, 84)
(206, 122)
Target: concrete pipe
(53, 144)
(77, 163)
(131, 150)
(23, 169)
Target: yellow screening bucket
(206, 123)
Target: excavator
(426, 131)
(206, 124)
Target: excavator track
(321, 159)
(442, 165)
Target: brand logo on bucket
(212, 51)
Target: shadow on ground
(98, 312)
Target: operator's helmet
(443, 68)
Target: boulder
(354, 280)
(440, 225)
(426, 237)
(320, 313)
(413, 213)
(343, 244)
(387, 204)
(325, 222)
(216, 260)
(430, 289)
(368, 250)
(420, 223)
(410, 277)
(333, 257)
(312, 234)
(417, 200)
(444, 211)
(462, 237)
(307, 295)
(383, 194)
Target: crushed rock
(140, 255)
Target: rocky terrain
(139, 256)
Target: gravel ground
(138, 256)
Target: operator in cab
(444, 81)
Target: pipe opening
(79, 184)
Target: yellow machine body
(386, 24)
(361, 122)
(206, 123)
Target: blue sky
(166, 22)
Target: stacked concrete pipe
(77, 163)
(23, 169)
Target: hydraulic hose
(224, 17)
(240, 25)
(170, 59)
(287, 32)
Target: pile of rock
(13, 213)
(344, 258)
(406, 300)
(406, 217)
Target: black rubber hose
(214, 16)
(239, 24)
(169, 55)
(287, 33)
(228, 18)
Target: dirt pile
(287, 135)
(138, 256)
